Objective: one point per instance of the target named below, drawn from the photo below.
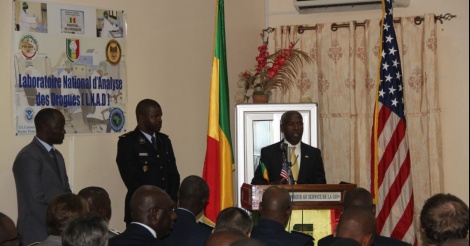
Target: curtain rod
(334, 27)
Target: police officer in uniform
(145, 156)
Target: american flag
(390, 157)
(285, 172)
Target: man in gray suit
(39, 171)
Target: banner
(69, 57)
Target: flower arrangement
(273, 71)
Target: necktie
(154, 143)
(295, 165)
(56, 163)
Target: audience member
(249, 242)
(357, 223)
(8, 234)
(145, 156)
(360, 197)
(39, 171)
(236, 218)
(225, 237)
(87, 230)
(98, 202)
(192, 199)
(152, 217)
(275, 211)
(62, 209)
(444, 217)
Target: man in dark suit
(360, 197)
(307, 166)
(192, 199)
(152, 217)
(39, 171)
(145, 156)
(275, 212)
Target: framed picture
(257, 126)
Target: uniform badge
(306, 157)
(141, 140)
(143, 154)
(145, 168)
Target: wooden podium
(305, 196)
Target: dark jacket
(311, 165)
(274, 234)
(135, 235)
(378, 241)
(186, 231)
(140, 164)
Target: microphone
(284, 152)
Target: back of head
(234, 217)
(8, 233)
(153, 207)
(249, 242)
(225, 237)
(444, 217)
(358, 197)
(275, 205)
(193, 194)
(44, 116)
(357, 223)
(98, 200)
(62, 209)
(87, 230)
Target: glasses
(17, 238)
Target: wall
(453, 59)
(169, 57)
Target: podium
(305, 196)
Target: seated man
(236, 218)
(357, 223)
(8, 234)
(62, 209)
(98, 202)
(192, 199)
(152, 217)
(306, 161)
(88, 230)
(275, 213)
(360, 197)
(444, 217)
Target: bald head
(275, 205)
(153, 207)
(193, 194)
(7, 231)
(357, 223)
(225, 237)
(359, 197)
(98, 200)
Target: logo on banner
(28, 47)
(116, 119)
(29, 114)
(113, 52)
(72, 49)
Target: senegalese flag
(218, 164)
(264, 171)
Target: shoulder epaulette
(125, 134)
(114, 231)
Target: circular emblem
(113, 52)
(28, 47)
(116, 119)
(29, 114)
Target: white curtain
(342, 80)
